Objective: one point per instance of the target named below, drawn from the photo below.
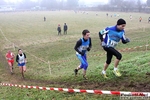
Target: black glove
(100, 36)
(81, 53)
(127, 40)
(88, 49)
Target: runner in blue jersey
(110, 37)
(83, 45)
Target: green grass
(52, 59)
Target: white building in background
(7, 8)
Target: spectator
(148, 19)
(107, 14)
(131, 17)
(59, 29)
(65, 28)
(44, 18)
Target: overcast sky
(86, 1)
(91, 1)
(79, 0)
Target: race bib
(9, 58)
(113, 43)
(84, 47)
(21, 61)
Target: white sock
(104, 72)
(115, 68)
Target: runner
(21, 60)
(140, 19)
(82, 46)
(110, 37)
(10, 59)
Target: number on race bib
(113, 43)
(84, 47)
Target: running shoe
(104, 75)
(76, 72)
(85, 77)
(117, 73)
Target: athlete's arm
(90, 45)
(78, 44)
(100, 36)
(17, 58)
(6, 56)
(102, 32)
(25, 57)
(13, 55)
(124, 39)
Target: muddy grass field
(51, 58)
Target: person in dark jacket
(44, 18)
(65, 28)
(148, 19)
(59, 29)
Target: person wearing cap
(110, 37)
(10, 59)
(83, 45)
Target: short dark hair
(121, 21)
(19, 49)
(85, 31)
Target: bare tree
(139, 5)
(2, 2)
(26, 4)
(50, 4)
(148, 3)
(72, 3)
(115, 2)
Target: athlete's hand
(82, 54)
(127, 40)
(88, 49)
